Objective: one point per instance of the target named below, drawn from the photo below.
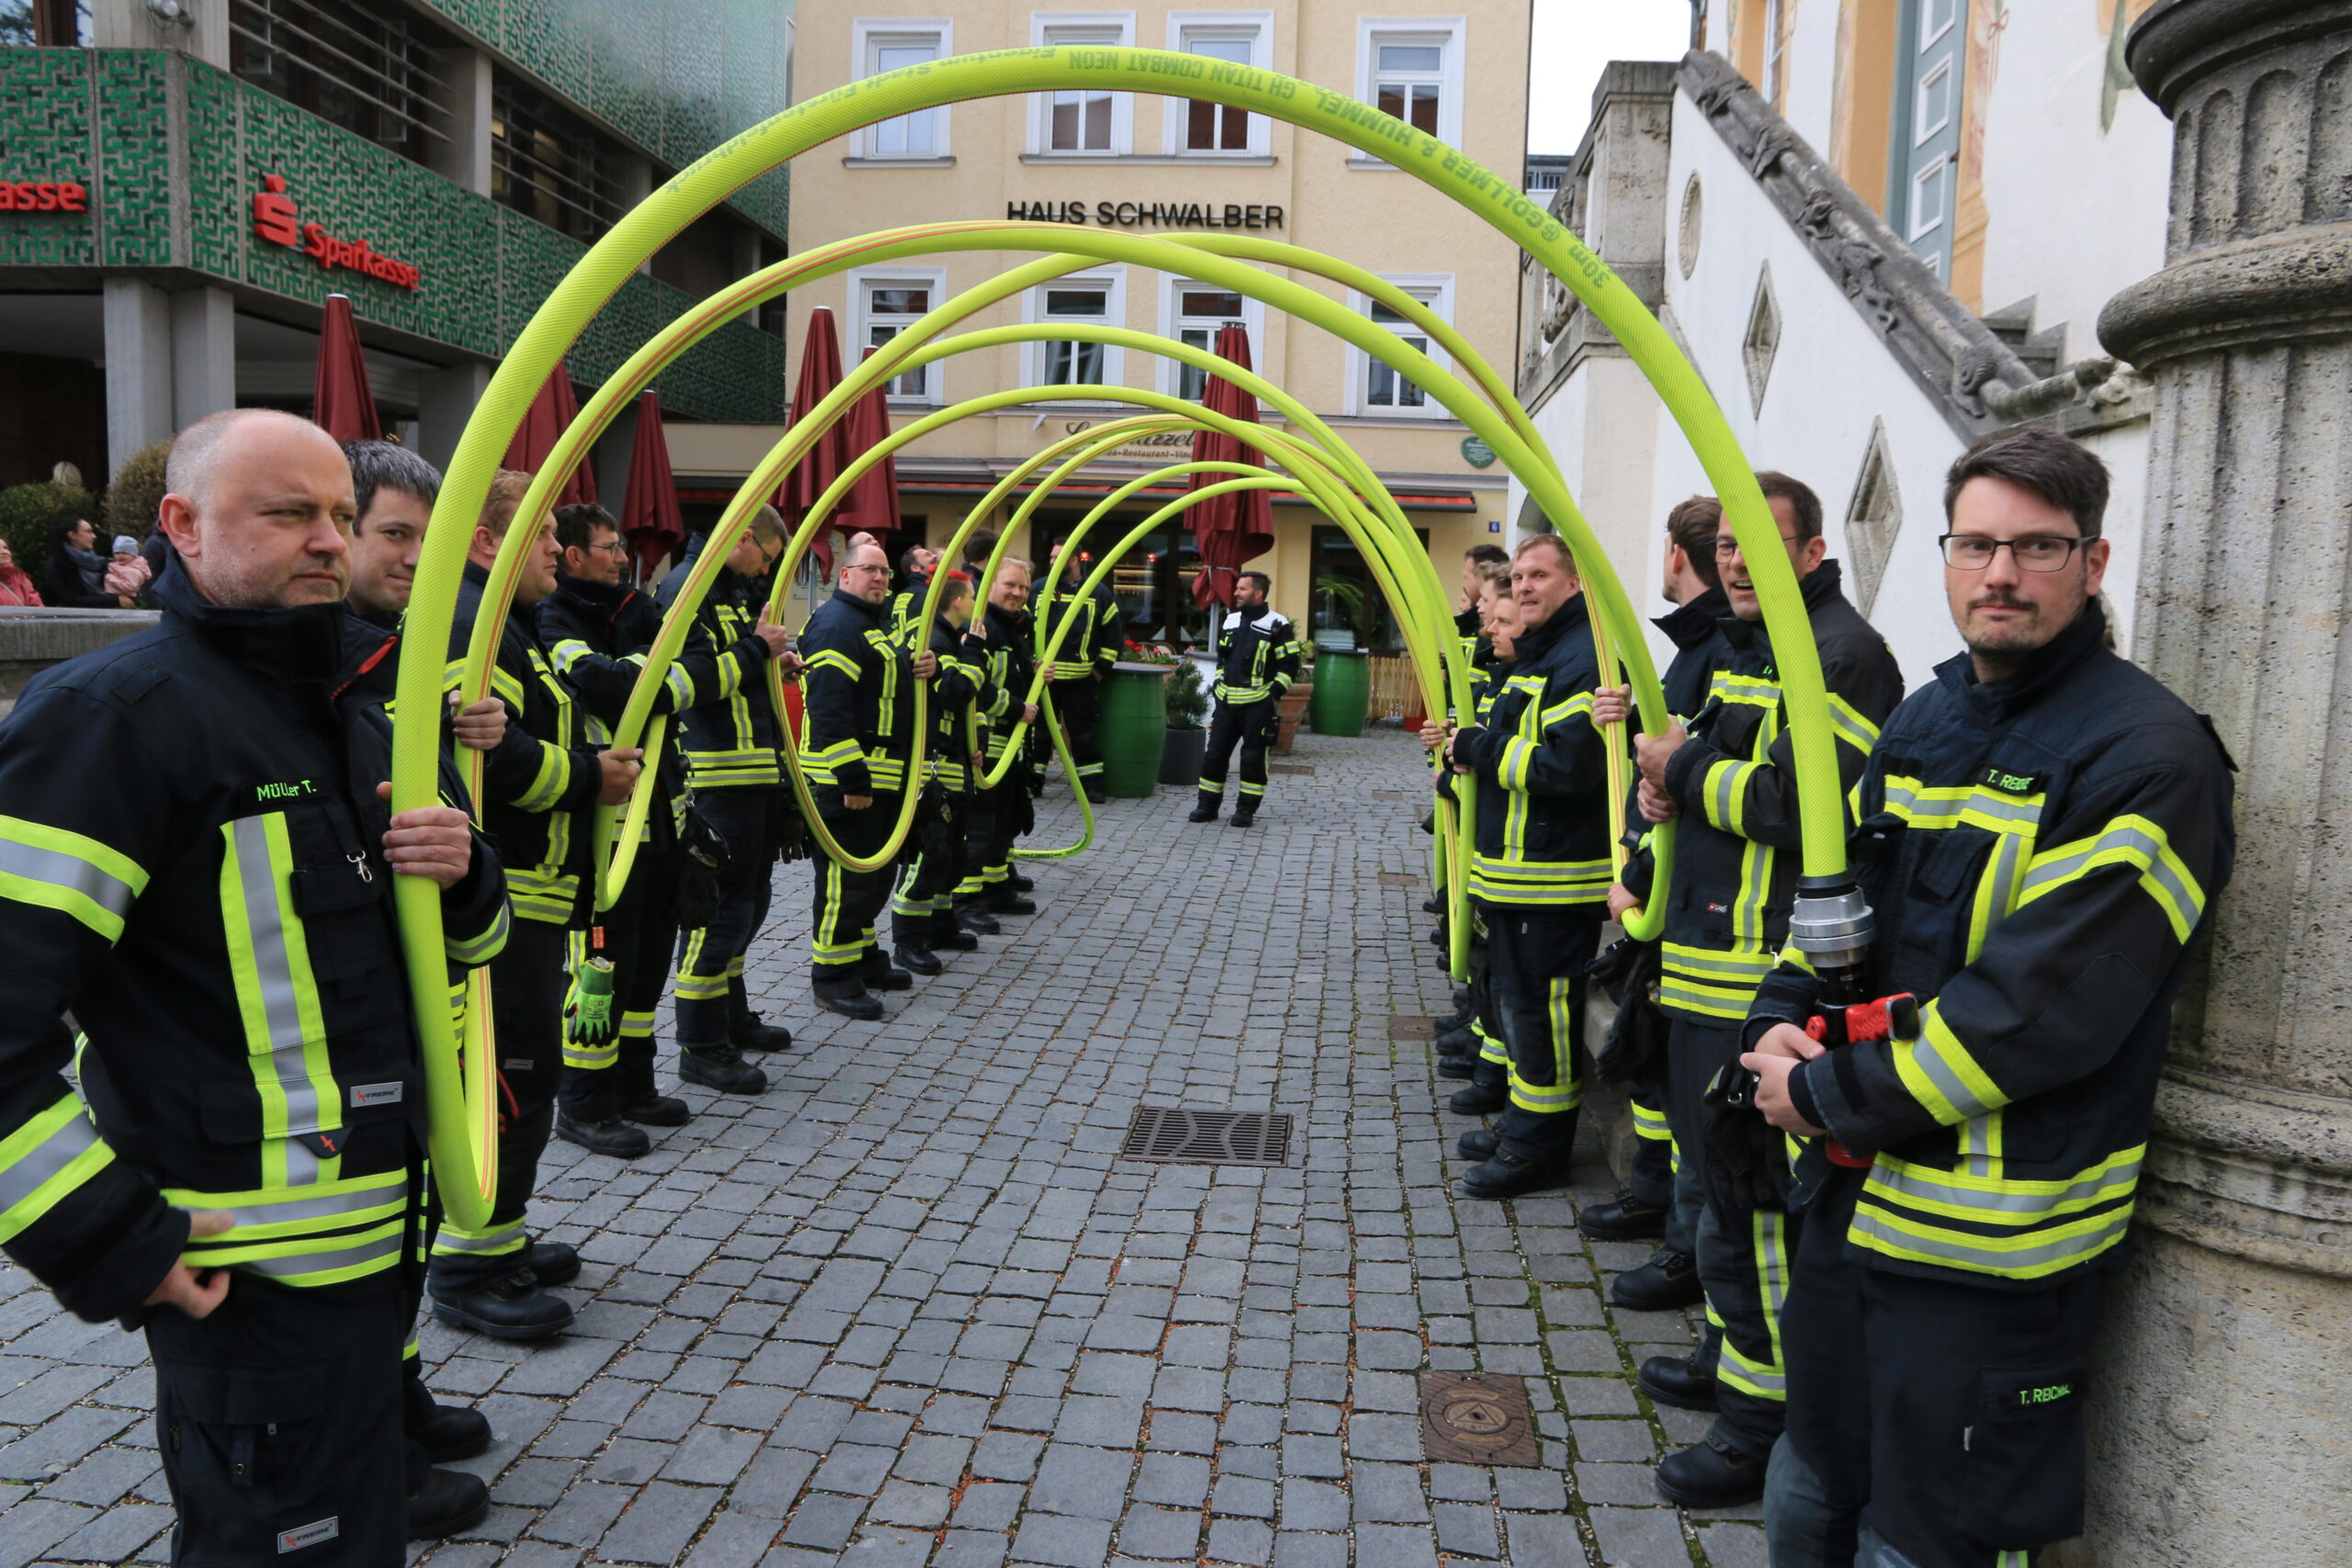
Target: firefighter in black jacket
(1257, 660)
(922, 911)
(1540, 869)
(200, 867)
(733, 740)
(996, 817)
(2042, 830)
(856, 747)
(915, 565)
(1731, 785)
(597, 629)
(539, 787)
(1088, 650)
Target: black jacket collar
(605, 599)
(878, 613)
(293, 649)
(1688, 625)
(1816, 588)
(1534, 644)
(1996, 701)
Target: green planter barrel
(1132, 729)
(1342, 698)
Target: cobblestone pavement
(909, 1307)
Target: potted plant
(1188, 711)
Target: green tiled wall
(182, 197)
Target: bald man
(201, 856)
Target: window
(1377, 388)
(1099, 298)
(1776, 52)
(548, 164)
(1929, 199)
(886, 305)
(1936, 18)
(1410, 69)
(1933, 111)
(1926, 98)
(1080, 120)
(1236, 38)
(1191, 313)
(893, 45)
(367, 72)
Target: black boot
(1095, 793)
(1710, 1474)
(656, 1110)
(1019, 883)
(1667, 1281)
(551, 1262)
(947, 934)
(880, 974)
(722, 1068)
(748, 1033)
(445, 1432)
(1244, 814)
(514, 1307)
(1003, 900)
(917, 960)
(1479, 1143)
(1486, 1094)
(1207, 810)
(1457, 1067)
(1679, 1381)
(1504, 1177)
(1432, 907)
(1457, 1042)
(1623, 1218)
(445, 1502)
(975, 917)
(611, 1137)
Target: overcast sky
(1574, 38)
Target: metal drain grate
(1475, 1420)
(1173, 1134)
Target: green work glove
(588, 1007)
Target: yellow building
(1141, 164)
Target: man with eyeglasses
(2041, 831)
(1730, 781)
(855, 745)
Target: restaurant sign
(273, 221)
(1159, 447)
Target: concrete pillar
(138, 318)
(204, 355)
(446, 402)
(2224, 1431)
(464, 94)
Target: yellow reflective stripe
(1708, 962)
(1765, 1380)
(2015, 1203)
(569, 652)
(56, 868)
(1726, 687)
(1940, 1073)
(831, 659)
(277, 998)
(43, 1160)
(1560, 711)
(1708, 1001)
(1518, 756)
(1241, 696)
(2028, 1255)
(1723, 794)
(475, 952)
(278, 1214)
(310, 1261)
(2130, 840)
(1649, 1121)
(507, 1237)
(1851, 727)
(547, 785)
(1941, 805)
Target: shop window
(1349, 609)
(1237, 37)
(1083, 120)
(1377, 388)
(548, 164)
(350, 66)
(886, 305)
(1413, 72)
(893, 46)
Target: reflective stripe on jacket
(1257, 657)
(1543, 832)
(730, 734)
(859, 688)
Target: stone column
(2224, 1431)
(138, 324)
(203, 353)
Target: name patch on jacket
(285, 789)
(367, 1094)
(2010, 783)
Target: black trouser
(1077, 707)
(992, 819)
(641, 937)
(526, 986)
(848, 902)
(278, 1422)
(1251, 726)
(1943, 1416)
(1536, 956)
(927, 884)
(1651, 1179)
(710, 961)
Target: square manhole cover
(1174, 1135)
(1401, 1028)
(1290, 767)
(1476, 1420)
(1399, 879)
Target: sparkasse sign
(274, 215)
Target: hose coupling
(1831, 923)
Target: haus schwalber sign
(1147, 214)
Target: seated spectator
(127, 574)
(76, 576)
(16, 590)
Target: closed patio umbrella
(340, 401)
(1238, 526)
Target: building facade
(1144, 165)
(191, 178)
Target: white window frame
(1940, 169)
(1120, 27)
(1776, 21)
(1452, 34)
(1113, 281)
(1434, 289)
(1176, 110)
(1253, 322)
(1920, 129)
(1928, 33)
(860, 283)
(869, 33)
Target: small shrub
(136, 495)
(1188, 700)
(27, 512)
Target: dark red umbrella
(872, 503)
(820, 372)
(650, 519)
(1237, 527)
(340, 401)
(550, 415)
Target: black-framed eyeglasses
(609, 548)
(1727, 548)
(2035, 552)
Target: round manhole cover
(1478, 1421)
(1476, 1417)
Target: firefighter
(1257, 657)
(2042, 830)
(922, 911)
(856, 746)
(1475, 1051)
(997, 816)
(736, 775)
(1540, 871)
(1089, 648)
(597, 629)
(395, 489)
(540, 786)
(200, 863)
(916, 564)
(1730, 784)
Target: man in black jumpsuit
(2041, 831)
(1089, 648)
(1257, 660)
(198, 868)
(922, 911)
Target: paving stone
(1632, 1538)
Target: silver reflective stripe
(1929, 1060)
(377, 1250)
(59, 869)
(1727, 781)
(319, 1211)
(1949, 1246)
(2006, 878)
(447, 1241)
(1697, 961)
(1909, 1184)
(46, 1160)
(265, 920)
(1906, 796)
